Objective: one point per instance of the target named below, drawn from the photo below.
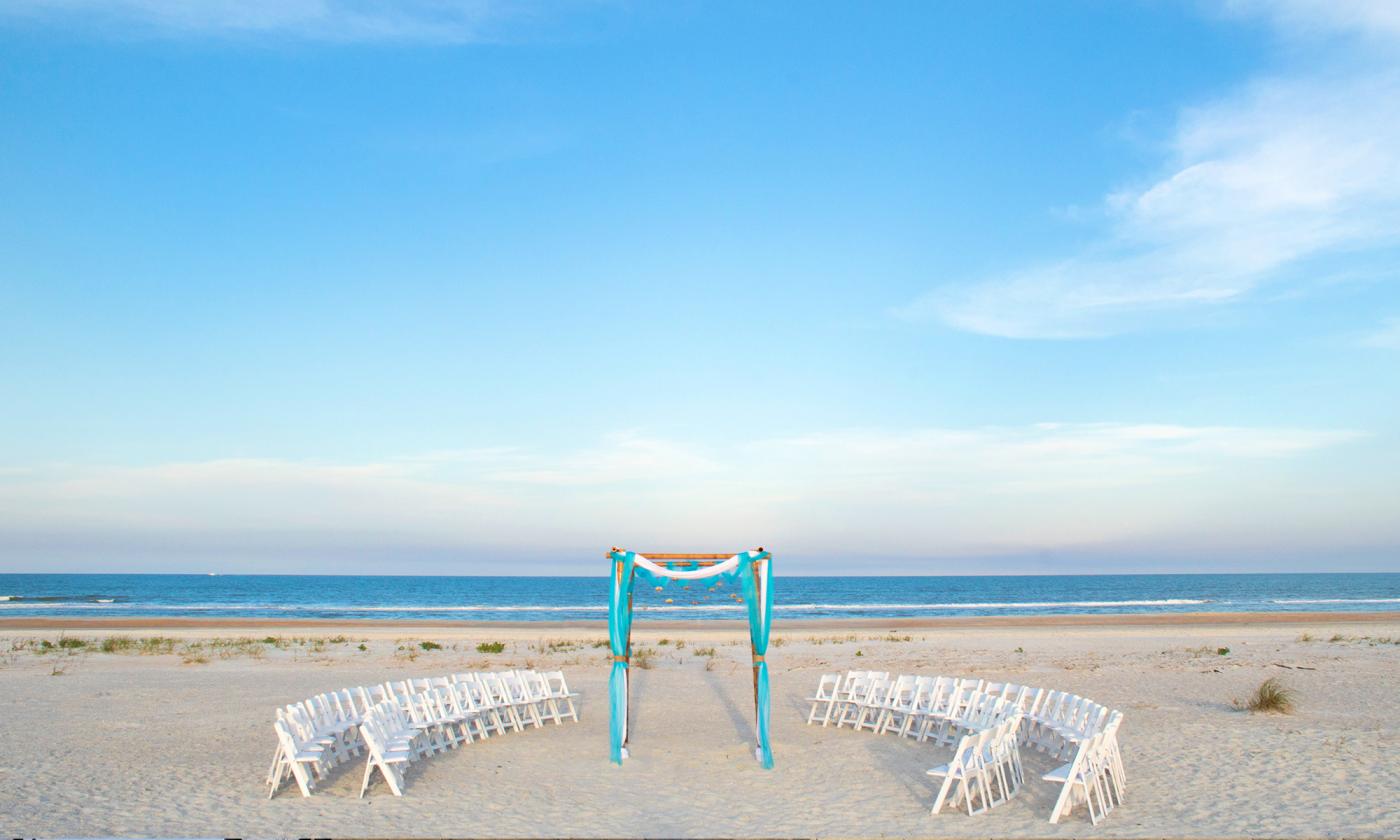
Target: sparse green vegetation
(116, 644)
(362, 646)
(704, 651)
(664, 642)
(1223, 651)
(426, 645)
(491, 647)
(155, 646)
(643, 658)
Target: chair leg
(364, 782)
(302, 777)
(1062, 801)
(942, 793)
(276, 763)
(391, 775)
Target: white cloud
(923, 491)
(327, 20)
(1307, 18)
(1284, 171)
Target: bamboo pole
(687, 555)
(753, 651)
(627, 722)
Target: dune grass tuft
(1272, 697)
(491, 647)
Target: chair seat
(942, 770)
(1058, 775)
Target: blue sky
(484, 287)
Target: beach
(174, 737)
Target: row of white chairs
(317, 734)
(946, 709)
(986, 766)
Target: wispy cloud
(935, 491)
(1259, 182)
(321, 20)
(1386, 337)
(1370, 18)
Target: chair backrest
(879, 691)
(858, 687)
(963, 694)
(374, 728)
(536, 686)
(559, 687)
(288, 740)
(940, 696)
(964, 754)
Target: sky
(486, 287)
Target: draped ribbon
(619, 631)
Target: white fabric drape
(690, 574)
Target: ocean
(567, 598)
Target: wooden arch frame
(758, 560)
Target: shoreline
(1191, 619)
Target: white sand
(123, 744)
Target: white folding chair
(559, 690)
(388, 744)
(824, 700)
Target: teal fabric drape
(619, 627)
(756, 573)
(753, 574)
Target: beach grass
(1272, 697)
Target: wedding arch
(752, 570)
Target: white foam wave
(1336, 601)
(601, 608)
(996, 605)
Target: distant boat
(213, 574)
